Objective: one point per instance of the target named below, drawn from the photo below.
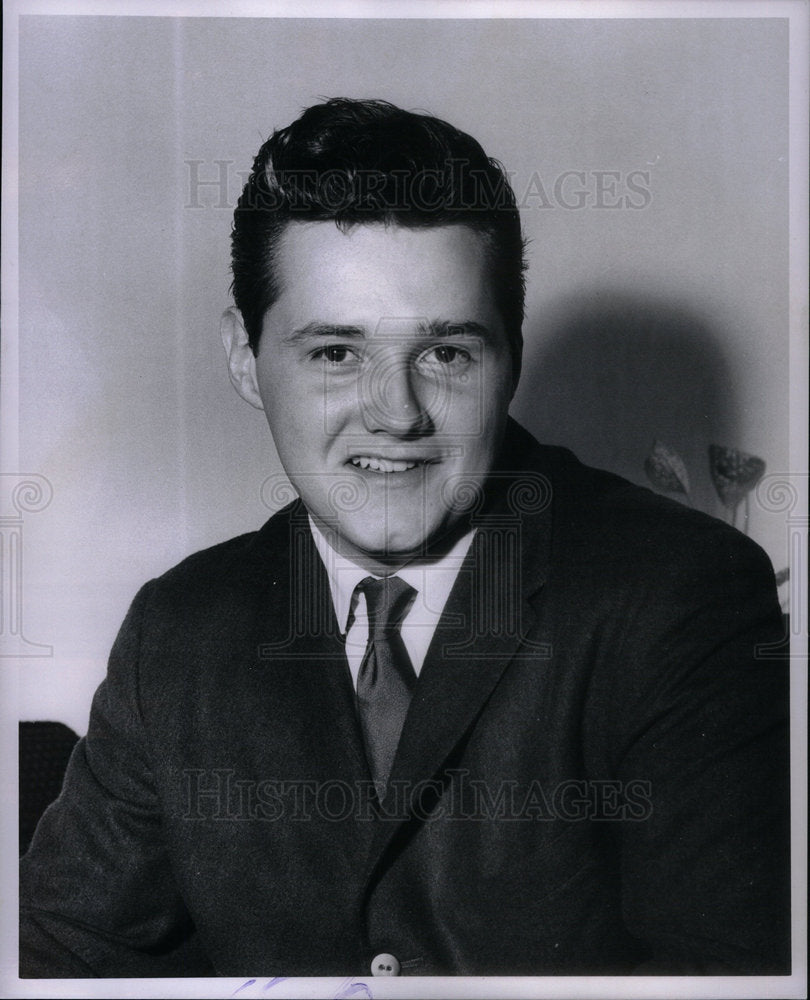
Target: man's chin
(387, 553)
(384, 553)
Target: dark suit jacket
(592, 777)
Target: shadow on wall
(606, 372)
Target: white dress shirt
(431, 581)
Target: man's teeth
(382, 464)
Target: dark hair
(357, 162)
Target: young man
(466, 706)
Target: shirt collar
(432, 581)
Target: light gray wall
(668, 320)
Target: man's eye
(447, 356)
(333, 354)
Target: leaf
(666, 470)
(734, 473)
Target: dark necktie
(386, 676)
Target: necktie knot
(387, 601)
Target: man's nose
(390, 400)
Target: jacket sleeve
(705, 872)
(97, 895)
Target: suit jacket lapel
(302, 654)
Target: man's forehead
(327, 236)
(358, 276)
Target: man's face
(385, 375)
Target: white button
(385, 965)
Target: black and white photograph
(403, 502)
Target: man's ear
(241, 360)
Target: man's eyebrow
(316, 330)
(426, 328)
(454, 328)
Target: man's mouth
(375, 463)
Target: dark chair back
(45, 748)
